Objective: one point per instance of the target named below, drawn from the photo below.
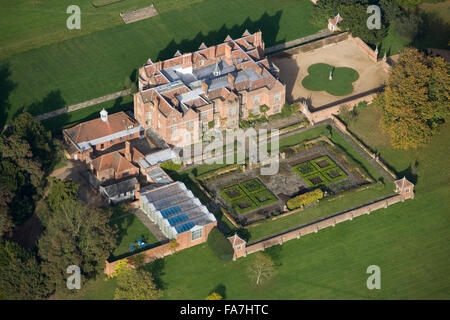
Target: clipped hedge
(220, 245)
(216, 173)
(305, 199)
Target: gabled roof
(236, 240)
(403, 183)
(336, 19)
(113, 160)
(121, 187)
(96, 128)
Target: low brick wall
(341, 126)
(313, 227)
(326, 112)
(370, 53)
(150, 255)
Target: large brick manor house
(212, 87)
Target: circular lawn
(340, 85)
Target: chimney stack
(205, 87)
(128, 150)
(212, 52)
(187, 60)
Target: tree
(173, 245)
(5, 221)
(355, 19)
(354, 13)
(214, 296)
(409, 3)
(76, 235)
(21, 276)
(61, 191)
(416, 99)
(136, 284)
(261, 268)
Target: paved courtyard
(294, 65)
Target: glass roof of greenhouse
(178, 206)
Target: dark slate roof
(124, 186)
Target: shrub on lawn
(220, 245)
(305, 199)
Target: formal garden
(248, 196)
(319, 171)
(318, 158)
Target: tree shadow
(6, 87)
(220, 289)
(52, 101)
(157, 270)
(269, 25)
(274, 253)
(433, 32)
(410, 173)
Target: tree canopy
(75, 235)
(21, 276)
(416, 98)
(136, 284)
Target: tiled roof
(96, 128)
(113, 160)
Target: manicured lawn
(72, 118)
(341, 83)
(130, 229)
(393, 43)
(96, 64)
(30, 24)
(408, 241)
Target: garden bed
(248, 196)
(320, 171)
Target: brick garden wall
(313, 227)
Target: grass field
(95, 64)
(409, 241)
(69, 119)
(341, 83)
(130, 229)
(30, 24)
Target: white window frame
(196, 234)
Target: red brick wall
(329, 222)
